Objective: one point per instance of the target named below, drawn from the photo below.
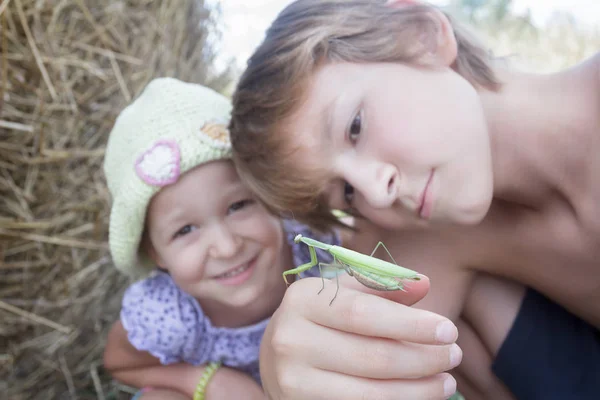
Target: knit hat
(169, 129)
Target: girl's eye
(355, 128)
(184, 231)
(238, 205)
(348, 193)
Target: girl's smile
(237, 275)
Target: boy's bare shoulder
(596, 62)
(593, 65)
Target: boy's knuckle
(356, 311)
(417, 328)
(282, 343)
(288, 383)
(382, 358)
(376, 358)
(295, 295)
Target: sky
(245, 21)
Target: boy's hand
(363, 346)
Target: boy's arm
(450, 287)
(140, 369)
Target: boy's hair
(306, 35)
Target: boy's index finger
(366, 312)
(413, 291)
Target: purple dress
(169, 324)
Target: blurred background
(541, 35)
(67, 68)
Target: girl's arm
(140, 369)
(119, 354)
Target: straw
(67, 68)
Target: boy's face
(214, 239)
(404, 144)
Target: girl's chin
(245, 298)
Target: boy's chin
(473, 213)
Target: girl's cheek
(191, 262)
(262, 227)
(275, 229)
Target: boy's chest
(557, 253)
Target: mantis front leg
(303, 267)
(313, 261)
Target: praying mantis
(370, 271)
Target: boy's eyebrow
(327, 117)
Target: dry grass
(67, 67)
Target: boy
(391, 111)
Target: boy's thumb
(413, 291)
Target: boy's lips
(424, 209)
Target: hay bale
(67, 67)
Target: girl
(211, 256)
(392, 111)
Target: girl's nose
(225, 244)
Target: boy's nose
(379, 185)
(225, 244)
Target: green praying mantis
(370, 271)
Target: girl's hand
(366, 345)
(231, 384)
(139, 369)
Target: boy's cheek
(390, 218)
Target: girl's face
(214, 239)
(404, 144)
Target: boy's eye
(184, 231)
(238, 205)
(348, 193)
(355, 127)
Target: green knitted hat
(169, 129)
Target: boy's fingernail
(455, 355)
(446, 332)
(449, 386)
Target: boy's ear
(446, 49)
(443, 48)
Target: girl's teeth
(235, 272)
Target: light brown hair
(306, 35)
